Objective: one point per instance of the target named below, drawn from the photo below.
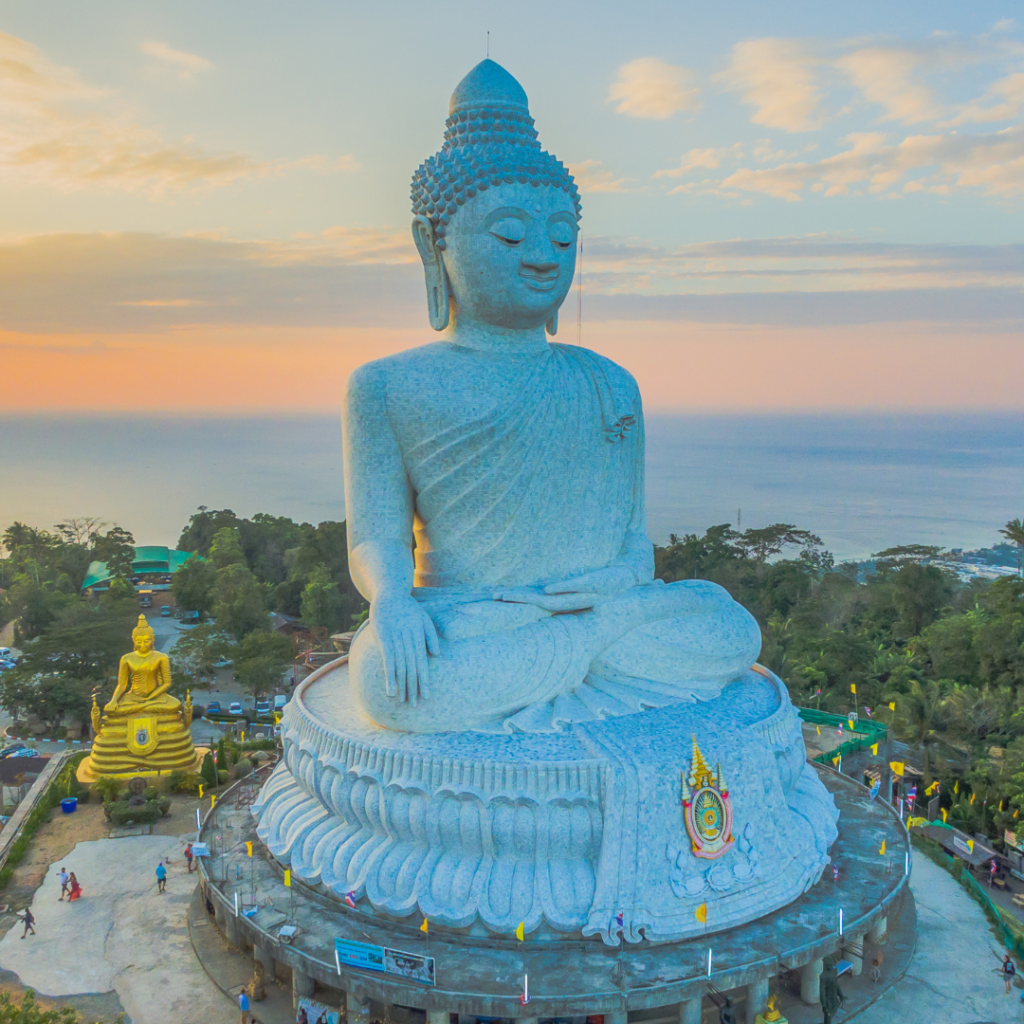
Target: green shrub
(243, 768)
(150, 793)
(121, 813)
(164, 803)
(183, 782)
(208, 772)
(222, 776)
(106, 788)
(264, 743)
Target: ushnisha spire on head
(489, 139)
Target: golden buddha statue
(771, 1014)
(143, 730)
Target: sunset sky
(204, 207)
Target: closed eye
(561, 246)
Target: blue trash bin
(69, 804)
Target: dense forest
(900, 628)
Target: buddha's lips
(539, 283)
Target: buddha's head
(143, 636)
(496, 216)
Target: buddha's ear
(552, 325)
(433, 269)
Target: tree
(193, 585)
(262, 660)
(28, 1011)
(919, 594)
(1014, 533)
(239, 605)
(202, 526)
(116, 547)
(321, 601)
(761, 544)
(195, 654)
(226, 548)
(208, 772)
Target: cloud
(779, 78)
(185, 64)
(1001, 102)
(651, 88)
(58, 130)
(593, 176)
(884, 75)
(708, 159)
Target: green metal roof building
(147, 559)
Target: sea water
(862, 483)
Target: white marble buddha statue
(494, 479)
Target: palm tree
(1014, 533)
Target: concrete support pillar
(302, 986)
(231, 931)
(689, 1012)
(878, 931)
(757, 999)
(810, 975)
(855, 958)
(618, 1017)
(437, 1016)
(267, 958)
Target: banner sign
(962, 846)
(368, 957)
(1011, 839)
(360, 954)
(309, 1011)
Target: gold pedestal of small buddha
(143, 730)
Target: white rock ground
(121, 935)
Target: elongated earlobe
(552, 325)
(433, 271)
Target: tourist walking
(74, 889)
(63, 876)
(29, 922)
(1009, 970)
(876, 966)
(161, 877)
(188, 857)
(829, 992)
(243, 1005)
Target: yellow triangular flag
(897, 767)
(423, 927)
(850, 721)
(519, 931)
(213, 800)
(248, 849)
(956, 786)
(853, 687)
(892, 705)
(874, 750)
(1016, 812)
(881, 849)
(243, 737)
(701, 913)
(970, 845)
(1000, 805)
(288, 878)
(972, 798)
(818, 727)
(835, 760)
(943, 809)
(200, 791)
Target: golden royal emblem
(706, 808)
(142, 737)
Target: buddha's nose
(540, 262)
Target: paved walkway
(122, 935)
(952, 979)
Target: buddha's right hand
(407, 639)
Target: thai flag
(619, 919)
(867, 711)
(816, 692)
(350, 899)
(839, 731)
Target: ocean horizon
(862, 482)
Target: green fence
(867, 732)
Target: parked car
(213, 708)
(222, 663)
(145, 601)
(26, 752)
(165, 611)
(6, 664)
(279, 701)
(263, 707)
(5, 652)
(11, 749)
(235, 708)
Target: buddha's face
(143, 643)
(510, 255)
